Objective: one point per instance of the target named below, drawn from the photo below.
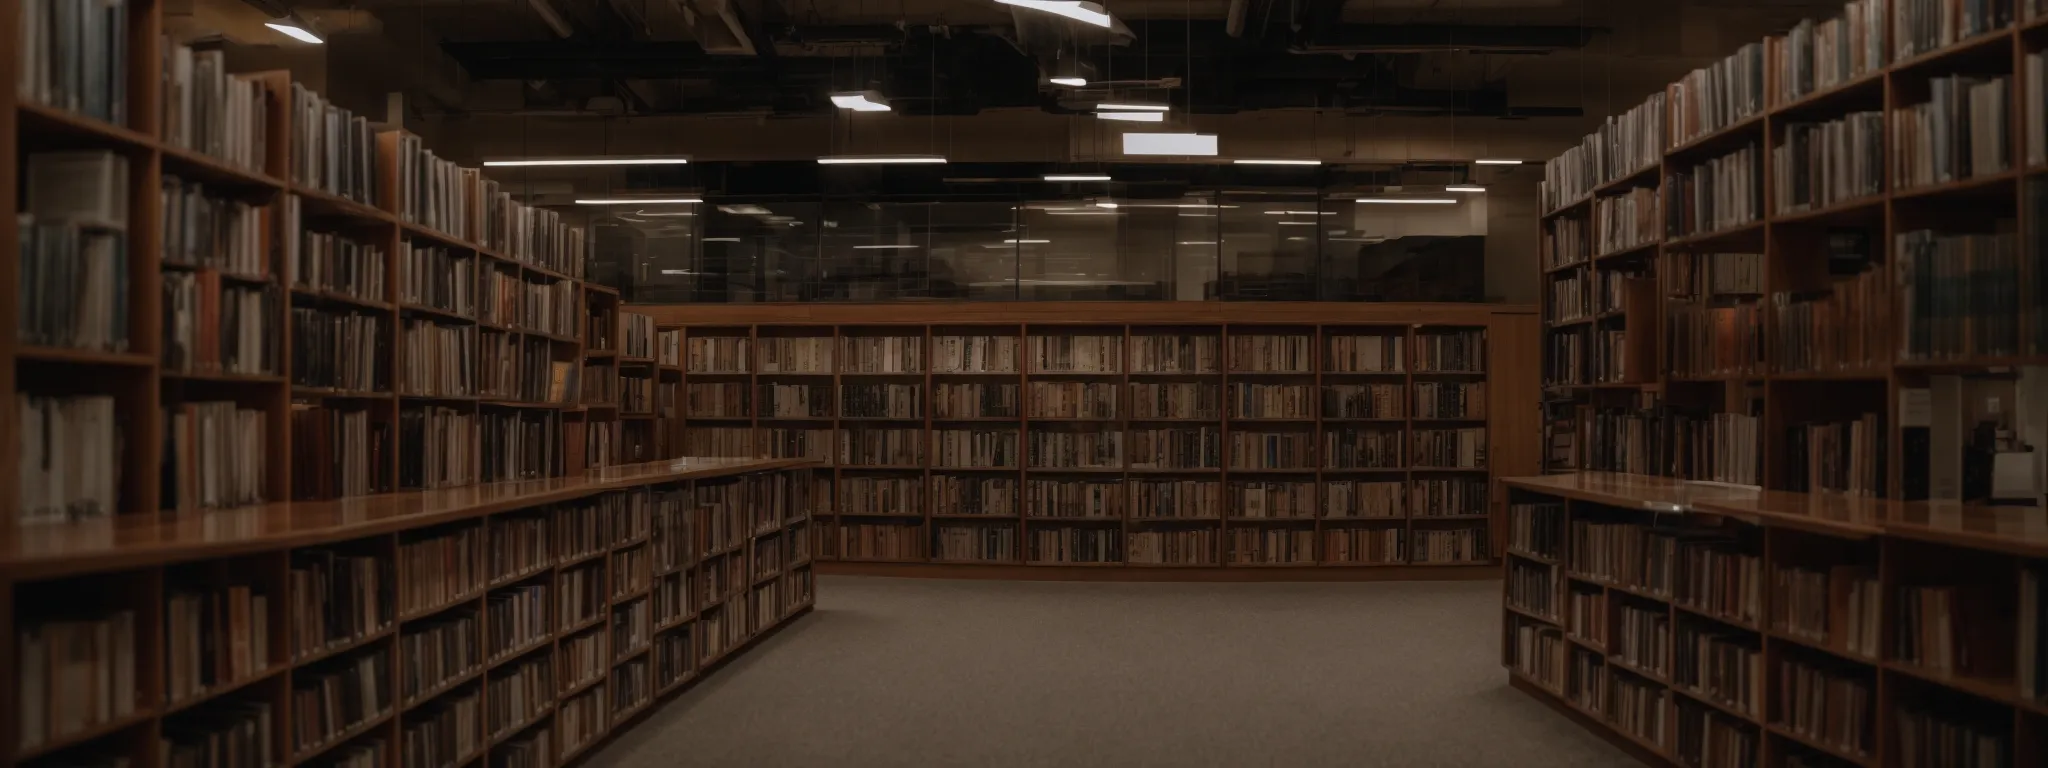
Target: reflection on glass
(1287, 245)
(1405, 252)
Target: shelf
(422, 232)
(1530, 556)
(1997, 184)
(216, 173)
(445, 686)
(1718, 618)
(533, 718)
(82, 357)
(336, 298)
(1823, 103)
(1631, 179)
(1727, 137)
(469, 598)
(1174, 471)
(1076, 470)
(1633, 250)
(1735, 236)
(1201, 520)
(422, 309)
(1862, 210)
(1071, 520)
(578, 687)
(1652, 675)
(1328, 520)
(317, 204)
(1823, 746)
(353, 644)
(1994, 44)
(195, 377)
(976, 469)
(341, 738)
(1703, 698)
(1237, 519)
(519, 652)
(1569, 207)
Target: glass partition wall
(1259, 245)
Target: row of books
(1822, 164)
(1708, 341)
(974, 448)
(1163, 353)
(437, 278)
(975, 543)
(216, 327)
(1622, 145)
(1920, 26)
(1625, 221)
(1271, 354)
(338, 452)
(1962, 131)
(73, 281)
(1272, 401)
(1179, 448)
(1076, 354)
(1718, 95)
(339, 349)
(972, 400)
(327, 263)
(436, 652)
(1959, 294)
(1815, 56)
(439, 360)
(549, 306)
(73, 56)
(638, 333)
(974, 354)
(345, 695)
(1537, 529)
(881, 354)
(1721, 664)
(334, 151)
(1712, 275)
(668, 347)
(1841, 457)
(203, 229)
(1720, 193)
(796, 355)
(1835, 331)
(207, 462)
(1571, 297)
(1531, 587)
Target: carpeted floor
(907, 672)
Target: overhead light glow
(545, 161)
(1077, 177)
(721, 239)
(1198, 215)
(1497, 161)
(1203, 144)
(1407, 200)
(1132, 106)
(1295, 223)
(1071, 82)
(1082, 213)
(1106, 204)
(861, 101)
(1464, 188)
(1197, 242)
(638, 200)
(1301, 213)
(1133, 117)
(677, 272)
(1273, 161)
(652, 214)
(744, 209)
(882, 160)
(884, 247)
(1078, 10)
(292, 29)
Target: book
(440, 359)
(971, 542)
(437, 278)
(796, 355)
(1959, 294)
(207, 110)
(339, 452)
(1817, 56)
(334, 151)
(1365, 353)
(1074, 499)
(340, 349)
(337, 696)
(220, 328)
(881, 354)
(1962, 131)
(1822, 164)
(74, 57)
(1262, 353)
(1622, 222)
(213, 455)
(1163, 353)
(1718, 194)
(74, 673)
(1075, 354)
(1921, 26)
(202, 228)
(1717, 96)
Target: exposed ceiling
(780, 58)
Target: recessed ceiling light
(1133, 117)
(1071, 82)
(1197, 242)
(1105, 204)
(295, 29)
(1082, 213)
(1497, 161)
(637, 200)
(1301, 213)
(884, 247)
(1132, 106)
(1192, 144)
(1407, 200)
(1078, 10)
(1295, 223)
(881, 160)
(652, 214)
(1464, 188)
(1273, 161)
(861, 101)
(545, 161)
(721, 240)
(1077, 177)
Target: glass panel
(1412, 252)
(1269, 245)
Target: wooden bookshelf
(139, 566)
(1857, 366)
(1808, 553)
(1119, 479)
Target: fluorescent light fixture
(744, 209)
(1132, 106)
(638, 200)
(882, 160)
(291, 27)
(653, 214)
(1071, 82)
(1133, 117)
(1301, 213)
(861, 101)
(1198, 215)
(1273, 161)
(1295, 223)
(547, 161)
(1464, 188)
(1077, 177)
(1170, 144)
(884, 247)
(1497, 161)
(1407, 200)
(1081, 213)
(677, 272)
(1297, 237)
(1196, 242)
(1078, 10)
(721, 239)
(1026, 242)
(1106, 204)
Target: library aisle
(924, 672)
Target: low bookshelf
(1070, 438)
(1697, 623)
(503, 624)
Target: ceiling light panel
(1133, 117)
(1189, 144)
(571, 161)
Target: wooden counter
(132, 541)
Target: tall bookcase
(1803, 326)
(419, 423)
(1124, 435)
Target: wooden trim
(1079, 313)
(1192, 573)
